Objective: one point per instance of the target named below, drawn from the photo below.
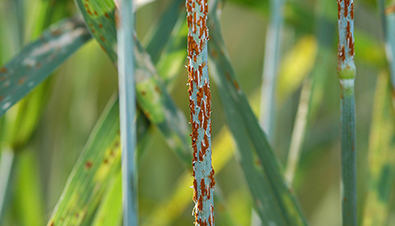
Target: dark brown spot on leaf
(88, 165)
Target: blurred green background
(79, 90)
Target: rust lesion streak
(339, 2)
(3, 70)
(346, 5)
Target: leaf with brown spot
(38, 60)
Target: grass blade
(152, 96)
(28, 205)
(161, 34)
(381, 156)
(312, 89)
(388, 23)
(99, 161)
(270, 70)
(200, 109)
(67, 207)
(110, 209)
(274, 202)
(346, 73)
(7, 166)
(37, 60)
(299, 131)
(127, 107)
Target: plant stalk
(200, 109)
(348, 154)
(346, 73)
(127, 106)
(299, 131)
(270, 68)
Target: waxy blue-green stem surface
(346, 72)
(127, 107)
(270, 69)
(200, 108)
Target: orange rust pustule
(203, 190)
(194, 190)
(339, 8)
(212, 180)
(346, 5)
(390, 10)
(200, 204)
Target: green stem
(346, 73)
(299, 131)
(270, 69)
(127, 107)
(348, 153)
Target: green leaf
(98, 163)
(37, 60)
(274, 201)
(110, 209)
(152, 96)
(158, 38)
(381, 155)
(66, 209)
(28, 197)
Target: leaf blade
(37, 60)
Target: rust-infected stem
(200, 109)
(346, 73)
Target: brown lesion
(88, 164)
(339, 8)
(22, 80)
(194, 190)
(56, 32)
(346, 5)
(390, 10)
(200, 203)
